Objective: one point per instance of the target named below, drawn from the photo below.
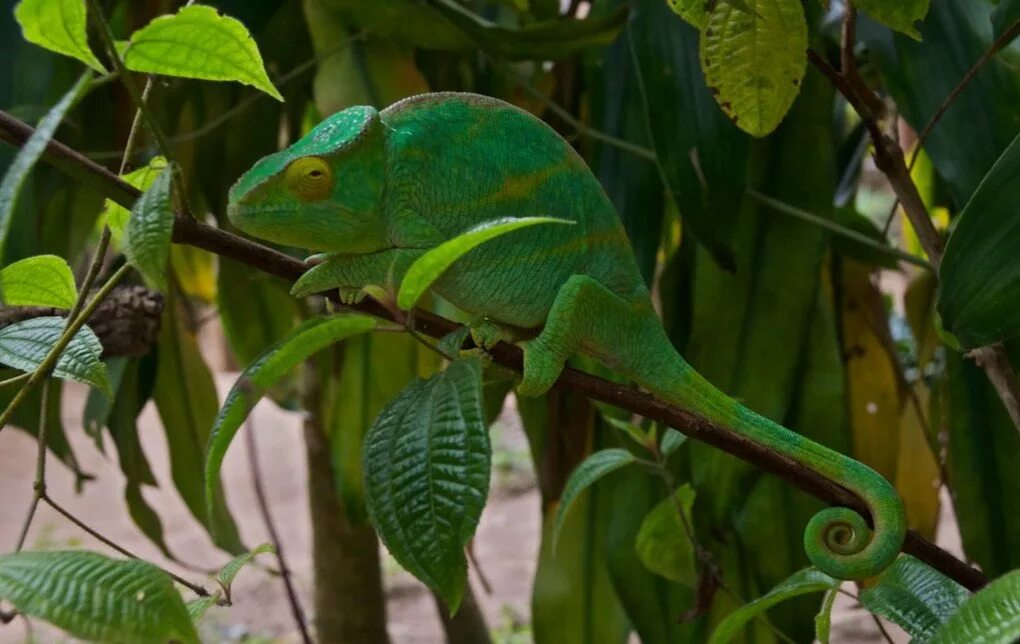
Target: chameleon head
(323, 193)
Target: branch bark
(194, 233)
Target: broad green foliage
(426, 461)
(809, 580)
(901, 15)
(29, 153)
(990, 617)
(58, 25)
(25, 344)
(97, 598)
(917, 597)
(43, 280)
(980, 275)
(148, 232)
(116, 216)
(753, 58)
(430, 266)
(663, 543)
(274, 363)
(197, 42)
(590, 470)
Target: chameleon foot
(351, 294)
(541, 369)
(488, 333)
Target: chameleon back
(458, 160)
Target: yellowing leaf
(901, 15)
(58, 25)
(693, 11)
(197, 42)
(753, 57)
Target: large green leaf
(799, 583)
(58, 25)
(274, 363)
(980, 276)
(148, 231)
(753, 57)
(29, 153)
(584, 475)
(197, 42)
(430, 266)
(24, 345)
(901, 15)
(990, 617)
(43, 280)
(663, 544)
(426, 462)
(97, 598)
(916, 596)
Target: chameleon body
(375, 190)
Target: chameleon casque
(375, 190)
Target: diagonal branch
(194, 233)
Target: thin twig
(881, 628)
(39, 484)
(267, 519)
(15, 380)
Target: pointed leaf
(663, 544)
(754, 60)
(901, 15)
(58, 25)
(274, 363)
(426, 461)
(148, 232)
(802, 582)
(197, 608)
(695, 12)
(116, 216)
(430, 266)
(25, 344)
(990, 617)
(43, 280)
(197, 42)
(229, 571)
(671, 441)
(95, 597)
(823, 620)
(590, 470)
(915, 596)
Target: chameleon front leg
(355, 275)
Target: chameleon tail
(838, 540)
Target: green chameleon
(376, 190)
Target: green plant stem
(39, 485)
(15, 380)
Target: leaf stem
(39, 485)
(15, 380)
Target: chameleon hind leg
(588, 317)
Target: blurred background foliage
(830, 337)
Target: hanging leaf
(663, 544)
(430, 266)
(990, 617)
(148, 232)
(229, 571)
(901, 15)
(197, 42)
(753, 58)
(590, 470)
(58, 25)
(274, 363)
(95, 597)
(426, 461)
(915, 596)
(197, 608)
(25, 344)
(43, 280)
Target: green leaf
(148, 232)
(915, 596)
(754, 60)
(43, 280)
(980, 275)
(671, 441)
(1004, 15)
(274, 363)
(990, 617)
(663, 544)
(636, 433)
(58, 25)
(802, 582)
(29, 153)
(230, 570)
(96, 598)
(426, 461)
(116, 216)
(430, 266)
(823, 620)
(256, 309)
(590, 470)
(25, 344)
(197, 608)
(694, 12)
(197, 42)
(901, 15)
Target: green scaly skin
(375, 190)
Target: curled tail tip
(841, 544)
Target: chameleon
(371, 191)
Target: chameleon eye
(309, 178)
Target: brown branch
(191, 232)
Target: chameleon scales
(376, 190)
